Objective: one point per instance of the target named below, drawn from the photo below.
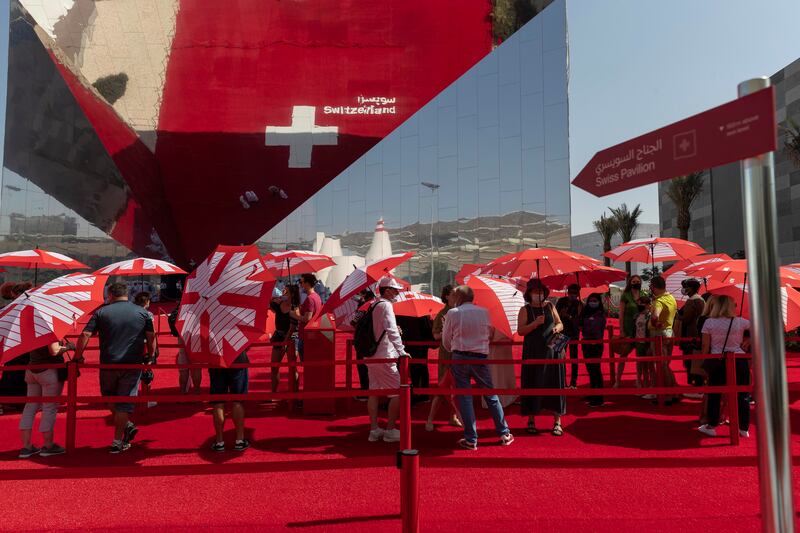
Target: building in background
(717, 223)
(591, 244)
(496, 144)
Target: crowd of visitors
(462, 331)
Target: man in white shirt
(385, 375)
(466, 334)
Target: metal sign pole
(761, 231)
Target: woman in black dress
(537, 322)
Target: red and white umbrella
(361, 278)
(141, 266)
(295, 262)
(416, 304)
(585, 292)
(44, 315)
(467, 270)
(735, 271)
(740, 292)
(343, 314)
(654, 249)
(597, 276)
(37, 259)
(502, 299)
(537, 263)
(224, 305)
(675, 275)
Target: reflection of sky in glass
(495, 141)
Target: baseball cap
(390, 283)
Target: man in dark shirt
(569, 309)
(126, 337)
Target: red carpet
(627, 466)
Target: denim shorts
(228, 380)
(120, 383)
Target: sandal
(557, 430)
(532, 428)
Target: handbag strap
(725, 344)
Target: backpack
(364, 337)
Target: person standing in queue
(569, 308)
(308, 311)
(444, 374)
(593, 326)
(628, 310)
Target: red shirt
(312, 304)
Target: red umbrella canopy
(141, 266)
(740, 292)
(44, 315)
(224, 305)
(468, 269)
(361, 278)
(294, 262)
(678, 272)
(416, 304)
(39, 259)
(735, 271)
(501, 298)
(654, 250)
(537, 262)
(343, 314)
(597, 276)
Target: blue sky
(637, 65)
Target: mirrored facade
(493, 149)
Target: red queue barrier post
(612, 370)
(407, 458)
(72, 407)
(733, 397)
(319, 345)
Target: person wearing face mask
(689, 315)
(592, 326)
(569, 309)
(285, 327)
(364, 297)
(628, 309)
(662, 317)
(537, 322)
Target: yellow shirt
(665, 308)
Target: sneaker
(468, 445)
(693, 395)
(130, 433)
(218, 446)
(742, 433)
(119, 447)
(24, 453)
(707, 430)
(391, 435)
(649, 396)
(429, 426)
(506, 439)
(55, 449)
(241, 445)
(151, 404)
(596, 403)
(376, 434)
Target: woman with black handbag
(42, 382)
(724, 332)
(538, 322)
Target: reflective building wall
(495, 148)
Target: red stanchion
(408, 459)
(659, 351)
(733, 403)
(72, 405)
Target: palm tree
(627, 224)
(683, 191)
(607, 228)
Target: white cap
(389, 282)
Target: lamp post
(433, 188)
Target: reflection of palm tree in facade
(791, 146)
(510, 15)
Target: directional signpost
(745, 130)
(737, 130)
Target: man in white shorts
(390, 346)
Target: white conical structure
(331, 247)
(344, 265)
(380, 248)
(318, 241)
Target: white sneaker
(743, 433)
(376, 434)
(151, 404)
(693, 395)
(649, 396)
(391, 435)
(707, 430)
